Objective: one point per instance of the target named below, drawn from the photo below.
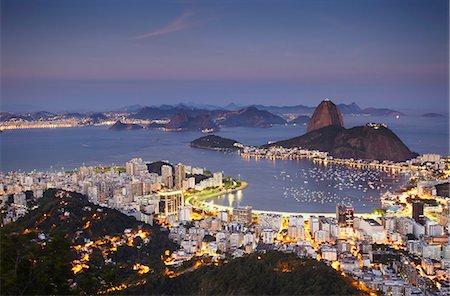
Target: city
(402, 251)
(294, 147)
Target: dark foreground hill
(360, 142)
(274, 273)
(71, 246)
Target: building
(184, 214)
(345, 215)
(270, 221)
(243, 215)
(135, 167)
(224, 216)
(296, 220)
(313, 224)
(417, 211)
(166, 176)
(170, 202)
(296, 232)
(268, 236)
(180, 175)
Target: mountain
(182, 121)
(327, 113)
(251, 117)
(214, 142)
(97, 117)
(352, 108)
(433, 115)
(131, 108)
(120, 126)
(168, 111)
(302, 119)
(34, 116)
(153, 113)
(370, 142)
(281, 110)
(272, 273)
(381, 112)
(232, 107)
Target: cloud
(181, 22)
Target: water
(54, 149)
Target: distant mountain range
(326, 132)
(197, 117)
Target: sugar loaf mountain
(326, 132)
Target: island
(213, 142)
(433, 115)
(120, 126)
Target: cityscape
(194, 148)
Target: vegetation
(274, 273)
(31, 264)
(40, 253)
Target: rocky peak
(327, 113)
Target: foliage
(274, 273)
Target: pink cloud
(179, 23)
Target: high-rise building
(135, 167)
(417, 211)
(166, 176)
(243, 215)
(345, 215)
(180, 175)
(170, 202)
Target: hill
(250, 117)
(302, 119)
(120, 126)
(274, 273)
(361, 142)
(71, 246)
(183, 121)
(214, 142)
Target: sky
(104, 54)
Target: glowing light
(79, 267)
(141, 268)
(88, 223)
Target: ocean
(281, 185)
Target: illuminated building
(345, 215)
(243, 215)
(417, 211)
(170, 202)
(166, 176)
(180, 175)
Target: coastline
(202, 199)
(201, 202)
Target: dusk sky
(101, 55)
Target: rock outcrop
(327, 113)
